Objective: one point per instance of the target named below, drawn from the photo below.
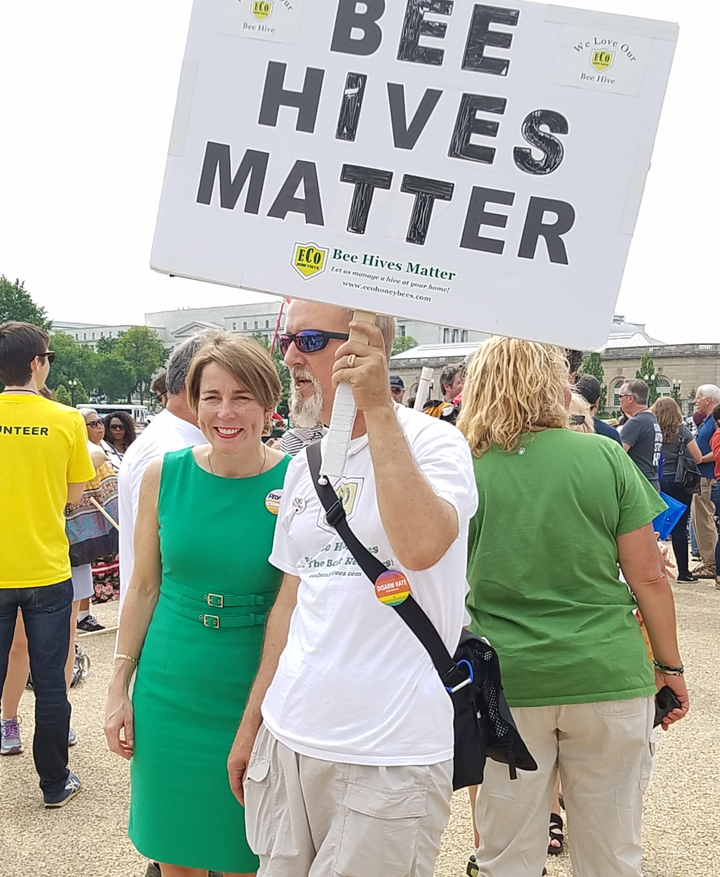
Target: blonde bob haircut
(512, 387)
(246, 360)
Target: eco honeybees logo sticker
(602, 60)
(261, 9)
(309, 259)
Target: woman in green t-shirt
(559, 510)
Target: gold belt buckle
(210, 620)
(217, 601)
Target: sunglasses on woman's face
(308, 340)
(116, 426)
(94, 423)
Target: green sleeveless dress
(199, 659)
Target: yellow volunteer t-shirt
(43, 448)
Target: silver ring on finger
(351, 360)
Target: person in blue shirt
(589, 387)
(706, 398)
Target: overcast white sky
(87, 94)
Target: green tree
(403, 343)
(115, 378)
(141, 347)
(646, 372)
(73, 395)
(74, 362)
(592, 365)
(282, 370)
(17, 304)
(62, 395)
(78, 394)
(107, 345)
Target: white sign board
(470, 165)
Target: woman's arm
(276, 635)
(137, 612)
(97, 455)
(642, 566)
(695, 451)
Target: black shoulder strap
(409, 610)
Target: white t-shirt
(165, 433)
(353, 683)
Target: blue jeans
(679, 533)
(46, 614)
(715, 497)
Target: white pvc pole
(343, 415)
(423, 388)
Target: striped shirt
(295, 439)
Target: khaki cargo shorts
(311, 818)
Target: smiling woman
(204, 529)
(233, 388)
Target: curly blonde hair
(512, 387)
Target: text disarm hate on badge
(392, 588)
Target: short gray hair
(178, 365)
(638, 389)
(710, 391)
(385, 324)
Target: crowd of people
(507, 506)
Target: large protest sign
(472, 165)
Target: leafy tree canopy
(592, 365)
(403, 343)
(73, 362)
(141, 347)
(647, 373)
(108, 374)
(62, 395)
(107, 345)
(17, 304)
(73, 396)
(115, 378)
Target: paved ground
(88, 838)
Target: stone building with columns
(680, 368)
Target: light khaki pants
(312, 818)
(604, 754)
(703, 511)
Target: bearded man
(344, 752)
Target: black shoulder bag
(687, 474)
(483, 724)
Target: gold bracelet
(127, 658)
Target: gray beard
(306, 413)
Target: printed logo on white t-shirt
(349, 492)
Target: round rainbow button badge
(392, 588)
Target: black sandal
(556, 834)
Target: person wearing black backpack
(678, 441)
